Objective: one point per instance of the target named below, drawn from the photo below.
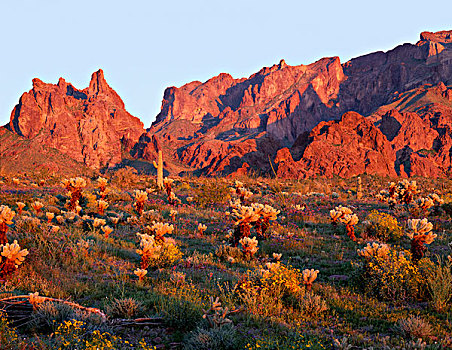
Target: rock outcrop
(90, 126)
(386, 113)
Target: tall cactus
(359, 190)
(159, 168)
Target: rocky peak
(442, 37)
(79, 123)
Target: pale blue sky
(145, 46)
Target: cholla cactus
(6, 218)
(216, 315)
(425, 203)
(101, 206)
(149, 249)
(244, 217)
(102, 186)
(12, 257)
(266, 214)
(374, 250)
(350, 220)
(436, 199)
(168, 183)
(74, 187)
(338, 213)
(160, 229)
(276, 256)
(406, 190)
(106, 230)
(140, 198)
(35, 299)
(140, 273)
(249, 246)
(20, 207)
(201, 229)
(420, 234)
(49, 217)
(99, 222)
(173, 214)
(37, 206)
(309, 276)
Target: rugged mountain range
(388, 113)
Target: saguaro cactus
(359, 190)
(159, 168)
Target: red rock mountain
(388, 113)
(90, 126)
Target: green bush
(179, 313)
(222, 338)
(212, 193)
(383, 226)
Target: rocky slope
(90, 126)
(216, 126)
(388, 113)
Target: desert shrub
(125, 177)
(8, 336)
(279, 276)
(393, 277)
(286, 340)
(221, 338)
(211, 193)
(439, 282)
(414, 327)
(74, 334)
(311, 304)
(383, 226)
(124, 308)
(265, 291)
(229, 253)
(179, 312)
(169, 254)
(48, 315)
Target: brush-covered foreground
(118, 263)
